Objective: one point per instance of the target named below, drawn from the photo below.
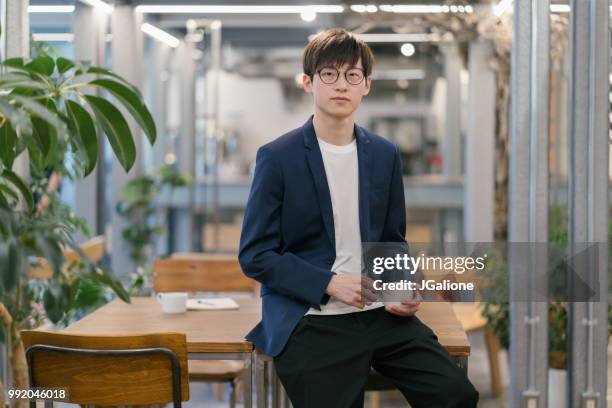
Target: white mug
(173, 302)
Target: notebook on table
(221, 303)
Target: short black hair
(336, 47)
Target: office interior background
(500, 110)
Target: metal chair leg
(232, 397)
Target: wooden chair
(187, 272)
(110, 370)
(93, 248)
(469, 314)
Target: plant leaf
(103, 71)
(64, 64)
(116, 129)
(11, 80)
(104, 276)
(35, 155)
(21, 186)
(83, 126)
(16, 62)
(41, 111)
(133, 104)
(42, 134)
(7, 190)
(51, 251)
(17, 118)
(8, 139)
(43, 64)
(11, 264)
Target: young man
(318, 192)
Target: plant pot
(557, 387)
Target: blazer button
(330, 260)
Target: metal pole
(588, 199)
(528, 226)
(215, 34)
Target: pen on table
(205, 302)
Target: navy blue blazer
(288, 240)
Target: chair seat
(215, 370)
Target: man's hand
(405, 308)
(354, 290)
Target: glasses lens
(354, 76)
(328, 75)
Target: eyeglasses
(329, 75)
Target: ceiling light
(560, 8)
(160, 35)
(53, 37)
(407, 49)
(397, 74)
(403, 83)
(420, 8)
(502, 7)
(398, 38)
(99, 4)
(236, 9)
(50, 9)
(308, 15)
(358, 8)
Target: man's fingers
(411, 303)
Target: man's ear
(306, 83)
(368, 85)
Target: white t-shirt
(342, 171)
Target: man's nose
(341, 83)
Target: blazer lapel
(365, 161)
(317, 169)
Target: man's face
(341, 98)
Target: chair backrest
(200, 273)
(110, 370)
(93, 248)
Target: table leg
(276, 390)
(248, 382)
(260, 381)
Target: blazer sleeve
(260, 242)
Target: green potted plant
(48, 111)
(137, 206)
(497, 311)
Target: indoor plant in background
(137, 205)
(497, 310)
(46, 110)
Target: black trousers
(327, 360)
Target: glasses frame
(338, 75)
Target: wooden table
(211, 335)
(439, 316)
(219, 335)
